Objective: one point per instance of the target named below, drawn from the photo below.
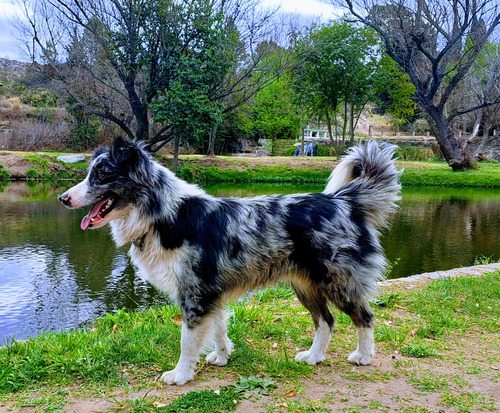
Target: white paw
(177, 376)
(309, 357)
(219, 358)
(361, 359)
(216, 358)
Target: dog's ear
(99, 151)
(124, 152)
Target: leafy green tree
(334, 65)
(275, 117)
(120, 60)
(393, 87)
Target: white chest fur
(162, 268)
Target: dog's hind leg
(317, 304)
(222, 343)
(193, 338)
(361, 314)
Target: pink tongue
(93, 212)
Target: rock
(71, 158)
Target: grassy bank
(201, 169)
(437, 348)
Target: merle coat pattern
(204, 251)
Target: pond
(54, 276)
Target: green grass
(415, 174)
(440, 174)
(132, 349)
(205, 401)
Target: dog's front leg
(192, 340)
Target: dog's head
(117, 178)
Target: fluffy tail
(368, 175)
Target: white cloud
(305, 7)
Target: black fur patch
(308, 214)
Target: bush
(32, 135)
(42, 114)
(418, 153)
(33, 174)
(4, 173)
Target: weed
(466, 402)
(4, 173)
(33, 174)
(204, 401)
(388, 300)
(430, 382)
(483, 260)
(37, 160)
(418, 351)
(247, 387)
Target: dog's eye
(100, 176)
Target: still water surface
(54, 276)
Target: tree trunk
(485, 138)
(329, 123)
(211, 145)
(336, 125)
(351, 126)
(176, 153)
(344, 127)
(303, 136)
(458, 158)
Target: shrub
(37, 160)
(4, 173)
(418, 153)
(42, 114)
(32, 135)
(33, 174)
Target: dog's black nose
(65, 199)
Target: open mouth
(98, 211)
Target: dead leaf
(291, 393)
(114, 328)
(494, 367)
(159, 405)
(177, 319)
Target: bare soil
(15, 164)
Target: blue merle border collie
(205, 251)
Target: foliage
(205, 401)
(33, 174)
(36, 159)
(43, 114)
(4, 173)
(418, 351)
(36, 97)
(393, 87)
(273, 112)
(334, 64)
(418, 153)
(254, 386)
(84, 126)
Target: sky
(10, 46)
